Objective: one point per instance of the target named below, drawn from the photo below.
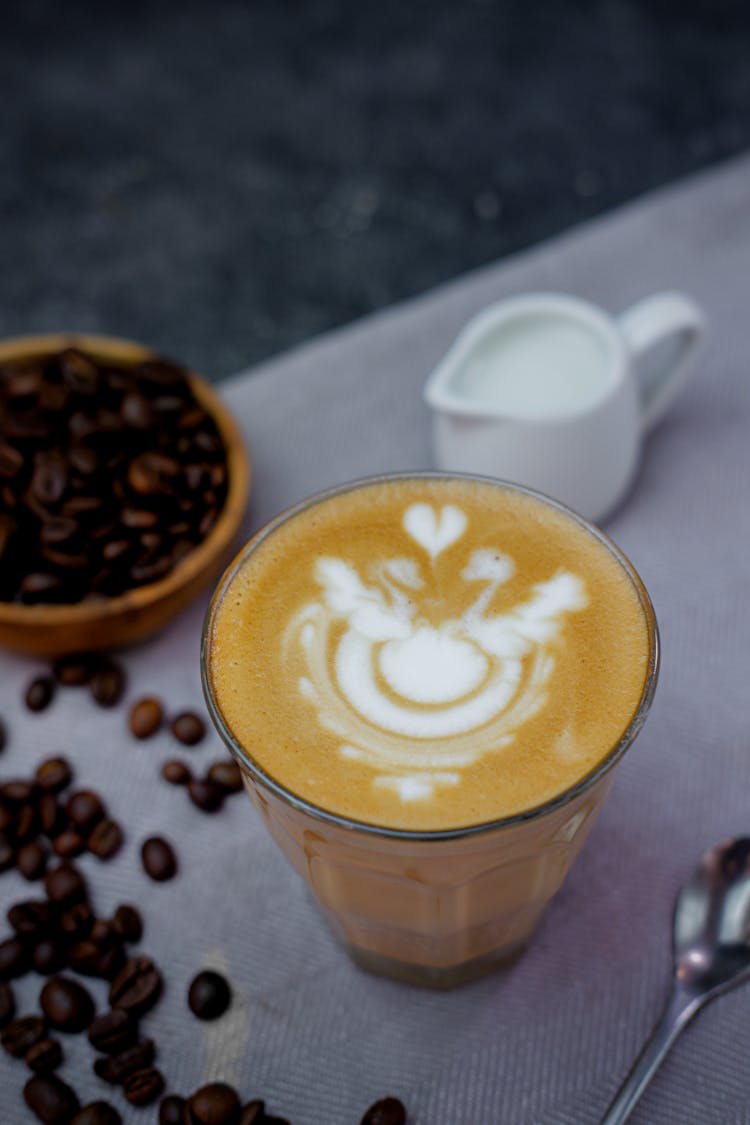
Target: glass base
(427, 976)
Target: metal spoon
(711, 943)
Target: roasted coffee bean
(20, 1035)
(116, 1068)
(48, 956)
(146, 717)
(172, 1110)
(7, 853)
(215, 1104)
(54, 774)
(144, 1086)
(137, 986)
(77, 920)
(253, 1113)
(51, 816)
(7, 1003)
(158, 858)
(128, 923)
(17, 792)
(31, 860)
(26, 825)
(76, 669)
(108, 684)
(90, 960)
(103, 934)
(14, 958)
(69, 844)
(84, 809)
(51, 1099)
(227, 774)
(31, 917)
(388, 1111)
(39, 693)
(209, 995)
(44, 1056)
(64, 884)
(106, 839)
(113, 1031)
(188, 728)
(175, 772)
(66, 1004)
(205, 794)
(97, 1113)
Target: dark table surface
(223, 180)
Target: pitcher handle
(649, 327)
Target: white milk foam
(415, 700)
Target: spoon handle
(678, 1011)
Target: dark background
(223, 180)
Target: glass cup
(432, 908)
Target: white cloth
(549, 1041)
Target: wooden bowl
(52, 630)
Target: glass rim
(560, 800)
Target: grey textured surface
(225, 179)
(548, 1042)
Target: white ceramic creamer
(552, 392)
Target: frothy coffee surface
(429, 653)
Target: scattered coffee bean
(113, 1031)
(215, 1104)
(51, 1099)
(20, 1035)
(51, 816)
(172, 1110)
(90, 960)
(30, 917)
(84, 809)
(66, 1004)
(159, 860)
(106, 839)
(144, 1086)
(388, 1111)
(209, 995)
(69, 844)
(39, 693)
(227, 774)
(14, 958)
(137, 986)
(146, 716)
(128, 923)
(7, 853)
(77, 920)
(54, 774)
(206, 795)
(64, 884)
(108, 684)
(253, 1113)
(175, 772)
(31, 860)
(188, 728)
(97, 1113)
(7, 1003)
(17, 792)
(44, 1056)
(74, 670)
(48, 956)
(116, 1068)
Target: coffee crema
(427, 653)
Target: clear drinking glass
(432, 908)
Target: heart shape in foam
(434, 531)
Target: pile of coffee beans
(109, 476)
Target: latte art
(407, 687)
(428, 652)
